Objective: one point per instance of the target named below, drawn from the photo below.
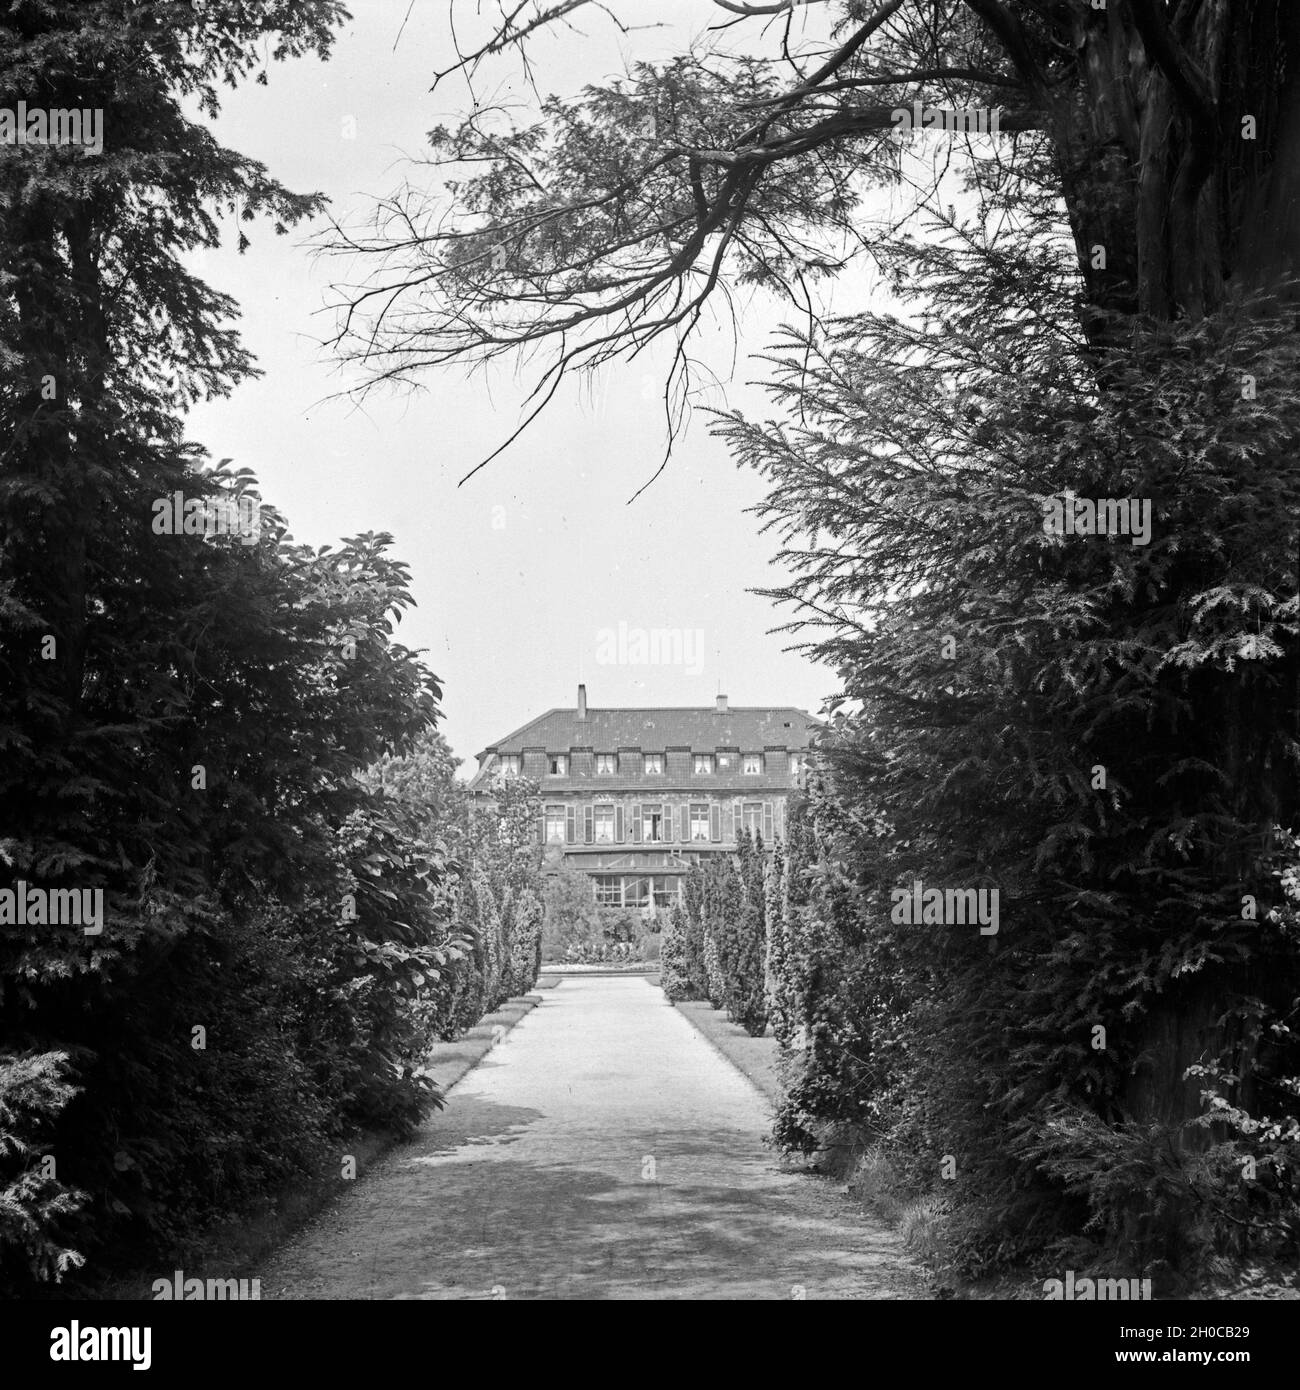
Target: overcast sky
(518, 572)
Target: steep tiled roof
(702, 730)
(653, 730)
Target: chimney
(722, 704)
(582, 702)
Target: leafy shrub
(571, 916)
(278, 945)
(604, 953)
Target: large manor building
(633, 797)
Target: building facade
(634, 797)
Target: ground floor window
(641, 891)
(609, 890)
(636, 890)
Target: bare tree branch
(776, 7)
(600, 264)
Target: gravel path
(602, 1150)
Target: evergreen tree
(694, 939)
(742, 936)
(776, 958)
(1044, 715)
(525, 943)
(674, 973)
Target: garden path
(602, 1150)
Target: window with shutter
(778, 819)
(666, 825)
(767, 822)
(685, 836)
(571, 825)
(553, 825)
(588, 825)
(715, 822)
(636, 824)
(618, 822)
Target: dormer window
(702, 764)
(556, 764)
(509, 764)
(654, 764)
(606, 764)
(753, 765)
